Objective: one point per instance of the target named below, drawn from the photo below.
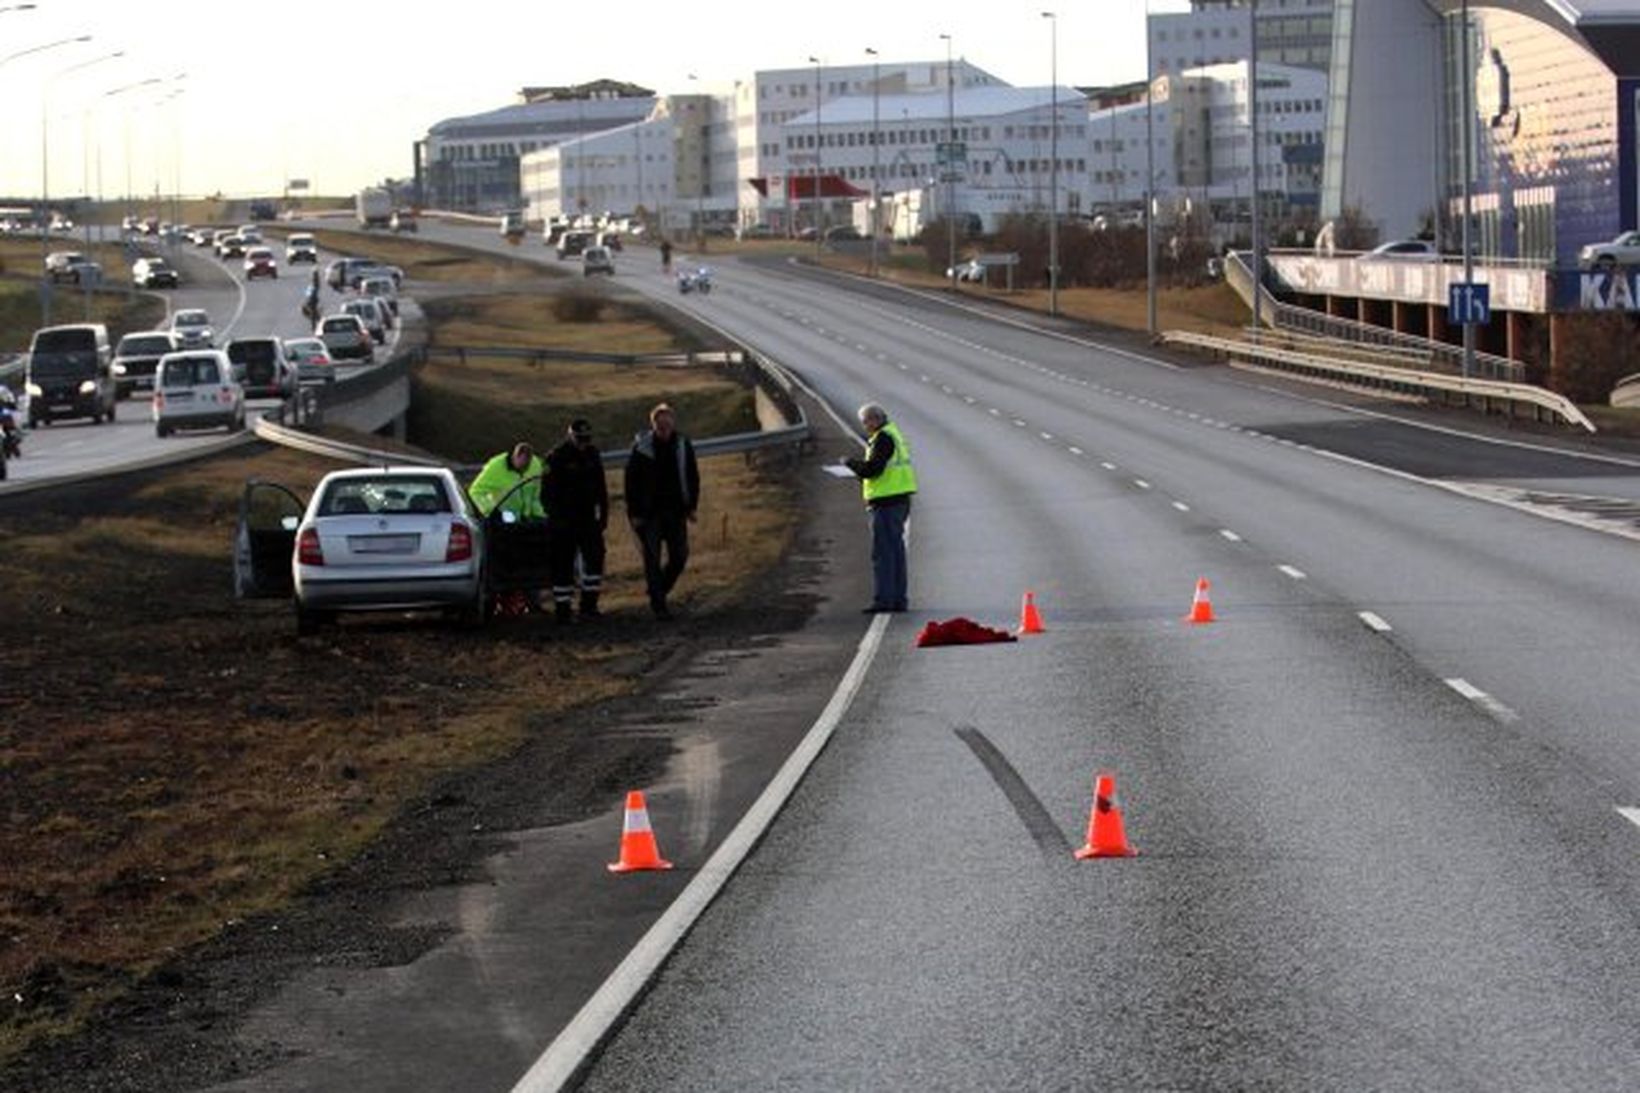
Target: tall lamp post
(1252, 112)
(45, 171)
(876, 156)
(1053, 165)
(702, 169)
(819, 205)
(950, 164)
(1465, 76)
(1150, 183)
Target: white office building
(629, 170)
(1003, 159)
(769, 182)
(1297, 33)
(1203, 141)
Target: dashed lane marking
(1181, 506)
(1374, 622)
(1230, 535)
(1292, 571)
(1497, 710)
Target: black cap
(581, 429)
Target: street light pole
(1150, 183)
(45, 170)
(950, 164)
(1053, 166)
(1252, 111)
(1465, 75)
(818, 204)
(876, 157)
(702, 131)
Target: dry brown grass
(171, 760)
(429, 261)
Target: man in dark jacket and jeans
(578, 501)
(662, 492)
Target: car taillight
(226, 396)
(461, 543)
(308, 551)
(159, 400)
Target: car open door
(265, 540)
(517, 552)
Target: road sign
(948, 152)
(1469, 303)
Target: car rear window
(191, 318)
(190, 372)
(399, 493)
(340, 325)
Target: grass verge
(173, 762)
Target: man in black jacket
(577, 501)
(662, 493)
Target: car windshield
(156, 263)
(62, 362)
(191, 318)
(134, 344)
(396, 493)
(189, 372)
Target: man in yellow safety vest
(887, 481)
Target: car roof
(191, 314)
(390, 471)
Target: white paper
(837, 470)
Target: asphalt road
(1377, 803)
(239, 309)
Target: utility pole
(1252, 110)
(1053, 166)
(876, 155)
(950, 163)
(818, 206)
(1466, 76)
(1150, 184)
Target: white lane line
(1375, 622)
(1020, 423)
(946, 389)
(968, 400)
(1485, 701)
(1108, 466)
(1077, 451)
(1045, 436)
(567, 1053)
(1292, 571)
(904, 368)
(994, 412)
(1632, 815)
(1141, 483)
(1181, 506)
(1230, 535)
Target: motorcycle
(699, 280)
(11, 438)
(310, 308)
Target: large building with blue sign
(1554, 94)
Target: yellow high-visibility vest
(897, 477)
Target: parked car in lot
(311, 360)
(301, 247)
(260, 367)
(346, 337)
(970, 270)
(1404, 250)
(192, 326)
(259, 263)
(195, 389)
(372, 313)
(71, 265)
(153, 273)
(371, 539)
(1622, 251)
(70, 374)
(137, 356)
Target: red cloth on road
(960, 631)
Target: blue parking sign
(1469, 303)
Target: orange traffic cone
(638, 849)
(1201, 608)
(1030, 622)
(1106, 837)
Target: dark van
(259, 365)
(71, 374)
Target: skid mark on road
(1043, 831)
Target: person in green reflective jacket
(501, 474)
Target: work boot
(564, 612)
(589, 606)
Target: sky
(248, 96)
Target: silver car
(371, 539)
(192, 326)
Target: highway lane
(239, 309)
(1378, 803)
(1374, 858)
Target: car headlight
(34, 390)
(119, 369)
(88, 387)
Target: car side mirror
(289, 523)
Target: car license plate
(383, 544)
(56, 406)
(179, 396)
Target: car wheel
(162, 431)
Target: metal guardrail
(272, 428)
(1436, 355)
(535, 355)
(1392, 377)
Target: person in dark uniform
(662, 493)
(578, 500)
